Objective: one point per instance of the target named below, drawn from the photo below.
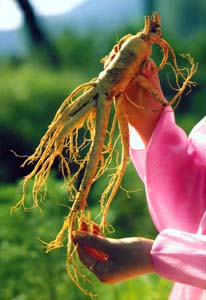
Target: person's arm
(127, 258)
(173, 170)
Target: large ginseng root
(105, 137)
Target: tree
(36, 33)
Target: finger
(100, 269)
(83, 226)
(94, 241)
(96, 230)
(88, 260)
(149, 68)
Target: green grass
(149, 287)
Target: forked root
(116, 179)
(91, 110)
(53, 143)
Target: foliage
(30, 95)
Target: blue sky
(11, 16)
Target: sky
(11, 16)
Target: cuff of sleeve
(180, 256)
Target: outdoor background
(46, 50)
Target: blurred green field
(30, 93)
(27, 272)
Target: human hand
(127, 257)
(142, 108)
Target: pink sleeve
(181, 256)
(173, 169)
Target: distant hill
(12, 43)
(100, 16)
(184, 18)
(95, 15)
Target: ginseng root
(89, 108)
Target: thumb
(96, 266)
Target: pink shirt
(173, 169)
